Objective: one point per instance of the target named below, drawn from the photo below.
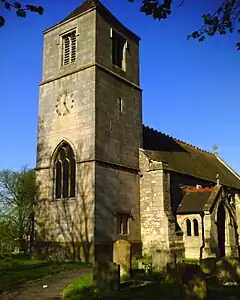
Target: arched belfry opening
(221, 221)
(64, 172)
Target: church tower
(89, 135)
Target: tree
(17, 198)
(21, 9)
(225, 19)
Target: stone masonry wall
(116, 191)
(192, 243)
(157, 223)
(105, 140)
(104, 52)
(67, 221)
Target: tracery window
(188, 224)
(65, 172)
(195, 227)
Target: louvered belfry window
(69, 48)
(65, 172)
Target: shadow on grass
(15, 271)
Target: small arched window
(195, 227)
(65, 172)
(188, 224)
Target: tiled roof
(106, 15)
(187, 159)
(198, 200)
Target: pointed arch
(195, 227)
(188, 225)
(64, 167)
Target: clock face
(64, 103)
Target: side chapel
(102, 175)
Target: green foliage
(225, 19)
(81, 288)
(17, 199)
(18, 269)
(20, 9)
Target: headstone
(16, 250)
(228, 270)
(194, 283)
(160, 259)
(106, 277)
(122, 256)
(141, 265)
(208, 265)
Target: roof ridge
(178, 140)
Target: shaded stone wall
(116, 191)
(104, 52)
(157, 222)
(118, 138)
(237, 204)
(231, 243)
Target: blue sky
(190, 90)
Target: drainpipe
(203, 238)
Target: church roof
(187, 159)
(197, 200)
(105, 14)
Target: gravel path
(55, 285)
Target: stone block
(208, 265)
(194, 283)
(122, 256)
(106, 276)
(228, 270)
(160, 259)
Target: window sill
(64, 199)
(119, 68)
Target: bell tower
(89, 135)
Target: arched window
(188, 224)
(65, 172)
(195, 227)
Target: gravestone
(122, 256)
(194, 283)
(161, 258)
(106, 277)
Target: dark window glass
(188, 223)
(125, 224)
(65, 173)
(119, 225)
(65, 178)
(58, 183)
(195, 227)
(73, 177)
(122, 223)
(62, 154)
(118, 43)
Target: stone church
(102, 176)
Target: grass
(80, 288)
(162, 287)
(17, 270)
